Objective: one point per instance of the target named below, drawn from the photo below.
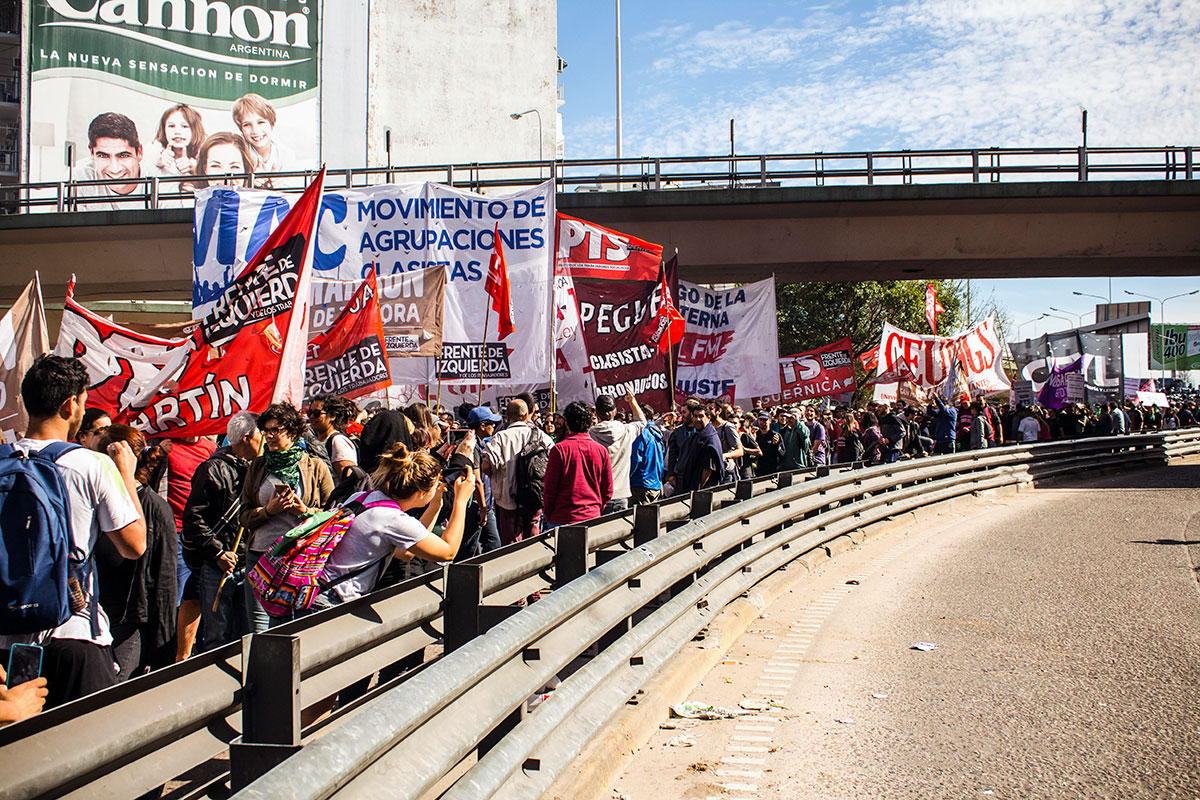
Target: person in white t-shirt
(1028, 428)
(77, 658)
(618, 438)
(329, 416)
(404, 480)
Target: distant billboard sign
(1174, 347)
(190, 90)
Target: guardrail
(636, 585)
(861, 168)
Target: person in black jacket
(209, 536)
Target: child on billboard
(180, 134)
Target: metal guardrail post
(647, 524)
(743, 490)
(570, 554)
(1083, 168)
(270, 707)
(870, 170)
(450, 175)
(60, 195)
(154, 192)
(1187, 163)
(465, 615)
(784, 480)
(974, 166)
(657, 174)
(762, 170)
(702, 504)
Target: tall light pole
(1026, 322)
(1056, 316)
(1162, 317)
(539, 133)
(1107, 301)
(618, 92)
(1078, 317)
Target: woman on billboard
(222, 156)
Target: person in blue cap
(482, 534)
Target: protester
(139, 595)
(700, 466)
(184, 455)
(980, 427)
(579, 475)
(816, 435)
(731, 440)
(750, 449)
(77, 657)
(385, 429)
(211, 535)
(677, 443)
(618, 438)
(281, 486)
(945, 423)
(95, 423)
(503, 458)
(770, 446)
(482, 534)
(646, 459)
(22, 701)
(329, 416)
(796, 445)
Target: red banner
(613, 315)
(823, 372)
(249, 351)
(587, 250)
(120, 362)
(350, 359)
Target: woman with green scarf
(282, 486)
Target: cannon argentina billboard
(140, 87)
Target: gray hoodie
(618, 437)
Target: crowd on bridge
(175, 544)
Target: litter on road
(924, 647)
(690, 710)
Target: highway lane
(1067, 662)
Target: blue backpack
(35, 540)
(646, 458)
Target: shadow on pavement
(1163, 541)
(1176, 476)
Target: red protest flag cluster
(666, 327)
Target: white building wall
(345, 38)
(446, 74)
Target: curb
(591, 775)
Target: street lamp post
(1106, 301)
(1056, 316)
(1162, 327)
(1078, 317)
(539, 133)
(1027, 322)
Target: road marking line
(745, 760)
(739, 787)
(763, 728)
(745, 748)
(748, 738)
(780, 670)
(739, 773)
(776, 679)
(780, 663)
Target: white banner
(931, 359)
(403, 228)
(730, 344)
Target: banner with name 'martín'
(138, 87)
(404, 228)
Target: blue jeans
(257, 618)
(228, 622)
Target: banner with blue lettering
(404, 228)
(730, 340)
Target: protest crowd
(176, 528)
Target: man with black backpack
(55, 502)
(515, 460)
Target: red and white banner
(730, 339)
(121, 363)
(249, 351)
(613, 315)
(587, 250)
(930, 359)
(350, 359)
(932, 307)
(823, 372)
(23, 338)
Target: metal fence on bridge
(629, 590)
(894, 167)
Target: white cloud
(921, 74)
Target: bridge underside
(1118, 228)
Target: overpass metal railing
(966, 165)
(669, 566)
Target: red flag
(665, 329)
(350, 359)
(249, 351)
(497, 287)
(932, 307)
(870, 360)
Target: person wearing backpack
(63, 498)
(515, 460)
(282, 486)
(646, 460)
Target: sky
(924, 74)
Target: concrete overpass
(834, 233)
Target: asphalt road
(1067, 665)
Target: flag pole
(487, 315)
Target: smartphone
(455, 435)
(24, 663)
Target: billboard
(1174, 347)
(188, 90)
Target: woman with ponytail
(404, 480)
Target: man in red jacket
(578, 473)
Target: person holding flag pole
(501, 302)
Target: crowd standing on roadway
(176, 546)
